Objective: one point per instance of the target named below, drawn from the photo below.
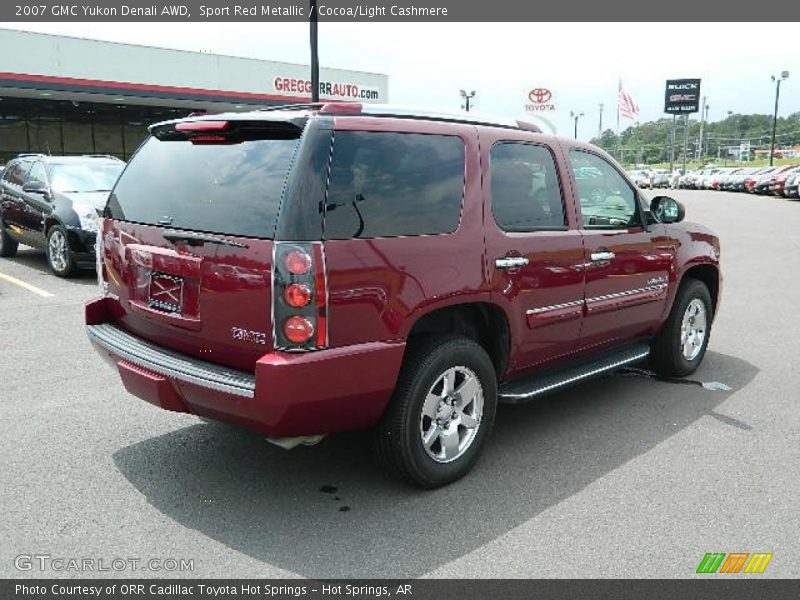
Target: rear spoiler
(227, 131)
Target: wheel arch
(708, 274)
(483, 322)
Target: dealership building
(64, 95)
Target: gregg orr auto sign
(682, 96)
(336, 90)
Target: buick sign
(682, 96)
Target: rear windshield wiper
(198, 238)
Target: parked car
(51, 202)
(736, 183)
(643, 178)
(301, 272)
(778, 180)
(759, 181)
(790, 190)
(660, 178)
(720, 180)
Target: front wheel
(59, 254)
(681, 344)
(441, 412)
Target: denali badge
(166, 292)
(245, 335)
(656, 280)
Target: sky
(581, 63)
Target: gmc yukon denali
(312, 269)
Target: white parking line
(27, 286)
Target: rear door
(534, 249)
(188, 240)
(627, 265)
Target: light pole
(703, 119)
(467, 97)
(600, 124)
(314, 51)
(777, 80)
(575, 116)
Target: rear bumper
(288, 394)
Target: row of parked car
(778, 181)
(651, 178)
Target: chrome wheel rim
(451, 414)
(57, 250)
(693, 329)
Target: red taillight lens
(297, 262)
(209, 139)
(298, 330)
(297, 295)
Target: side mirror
(35, 187)
(667, 210)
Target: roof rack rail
(299, 106)
(404, 112)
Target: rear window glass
(234, 189)
(393, 184)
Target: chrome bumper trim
(171, 364)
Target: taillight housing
(299, 296)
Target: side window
(394, 184)
(17, 172)
(607, 200)
(37, 173)
(526, 195)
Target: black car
(50, 202)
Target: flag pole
(619, 145)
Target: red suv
(307, 270)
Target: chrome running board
(531, 386)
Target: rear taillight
(299, 296)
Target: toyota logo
(540, 95)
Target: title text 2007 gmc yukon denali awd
(308, 270)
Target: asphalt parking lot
(622, 477)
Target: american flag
(626, 106)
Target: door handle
(511, 262)
(602, 255)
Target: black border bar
(401, 11)
(742, 587)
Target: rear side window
(526, 194)
(221, 188)
(394, 184)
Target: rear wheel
(441, 412)
(59, 254)
(681, 344)
(8, 247)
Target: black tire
(399, 443)
(66, 268)
(666, 356)
(8, 247)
